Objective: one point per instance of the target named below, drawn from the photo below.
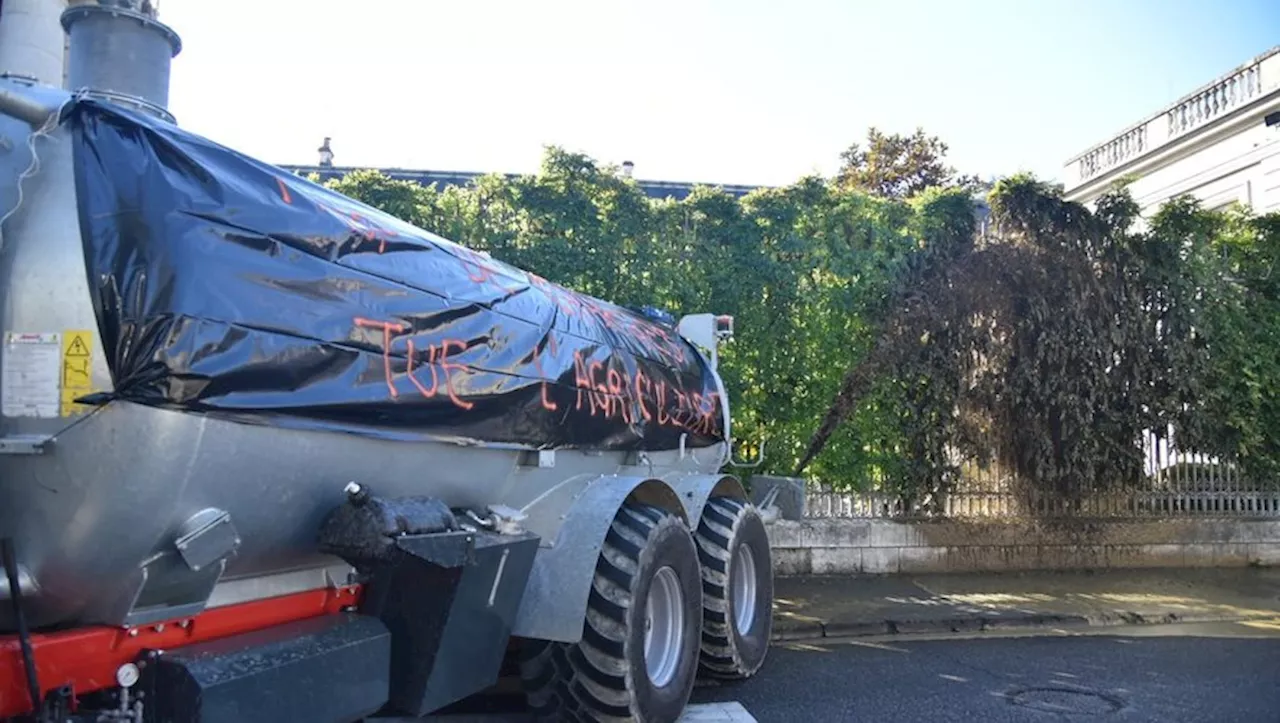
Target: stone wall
(847, 546)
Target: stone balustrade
(1231, 92)
(1240, 87)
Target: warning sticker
(77, 369)
(76, 344)
(30, 375)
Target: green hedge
(1090, 331)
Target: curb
(792, 631)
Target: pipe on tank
(25, 108)
(122, 55)
(31, 40)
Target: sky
(724, 91)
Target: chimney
(627, 169)
(326, 153)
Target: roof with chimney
(654, 189)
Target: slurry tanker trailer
(268, 454)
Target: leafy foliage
(1236, 411)
(1050, 350)
(880, 343)
(897, 166)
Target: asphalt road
(1165, 673)
(1170, 674)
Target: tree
(897, 166)
(1050, 350)
(406, 200)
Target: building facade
(1220, 143)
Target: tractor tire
(737, 589)
(633, 663)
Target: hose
(10, 560)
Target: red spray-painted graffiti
(603, 388)
(437, 362)
(614, 394)
(600, 388)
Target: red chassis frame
(87, 658)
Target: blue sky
(741, 91)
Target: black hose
(10, 559)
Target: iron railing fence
(1174, 484)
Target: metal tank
(101, 498)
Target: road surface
(1165, 673)
(1169, 674)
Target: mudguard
(572, 520)
(695, 489)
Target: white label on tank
(30, 375)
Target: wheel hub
(663, 627)
(744, 589)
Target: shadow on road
(1169, 673)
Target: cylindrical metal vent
(121, 55)
(31, 40)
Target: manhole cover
(1065, 701)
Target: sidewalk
(816, 607)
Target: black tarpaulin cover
(225, 285)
